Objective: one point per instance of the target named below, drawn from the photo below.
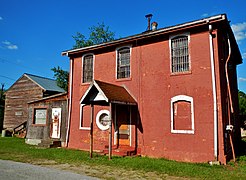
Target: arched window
(182, 114)
(180, 60)
(87, 68)
(123, 62)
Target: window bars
(123, 63)
(180, 54)
(88, 68)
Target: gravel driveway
(10, 170)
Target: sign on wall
(40, 116)
(56, 123)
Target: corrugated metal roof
(45, 83)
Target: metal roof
(45, 83)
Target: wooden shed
(27, 88)
(46, 125)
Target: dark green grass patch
(15, 149)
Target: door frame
(116, 138)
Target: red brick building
(170, 92)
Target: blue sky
(33, 33)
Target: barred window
(123, 63)
(180, 54)
(87, 68)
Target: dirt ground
(105, 172)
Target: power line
(7, 77)
(3, 60)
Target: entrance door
(124, 124)
(56, 123)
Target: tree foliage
(98, 34)
(61, 77)
(242, 102)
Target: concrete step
(49, 143)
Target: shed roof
(61, 96)
(45, 83)
(103, 93)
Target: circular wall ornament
(102, 119)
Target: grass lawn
(15, 149)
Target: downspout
(70, 100)
(227, 78)
(230, 127)
(214, 93)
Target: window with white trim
(84, 117)
(123, 62)
(87, 68)
(180, 60)
(182, 114)
(103, 119)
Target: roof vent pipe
(148, 16)
(154, 26)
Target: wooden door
(123, 121)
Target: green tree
(98, 34)
(2, 102)
(242, 102)
(61, 77)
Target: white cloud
(242, 79)
(205, 15)
(244, 55)
(9, 45)
(239, 30)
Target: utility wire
(3, 60)
(7, 77)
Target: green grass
(15, 149)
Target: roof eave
(148, 34)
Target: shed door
(56, 123)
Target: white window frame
(116, 67)
(170, 51)
(99, 125)
(182, 98)
(82, 66)
(81, 119)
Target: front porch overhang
(102, 93)
(105, 94)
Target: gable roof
(45, 83)
(104, 93)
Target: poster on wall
(40, 116)
(56, 123)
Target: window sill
(84, 128)
(181, 73)
(182, 131)
(124, 79)
(86, 83)
(39, 125)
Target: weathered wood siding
(42, 132)
(23, 90)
